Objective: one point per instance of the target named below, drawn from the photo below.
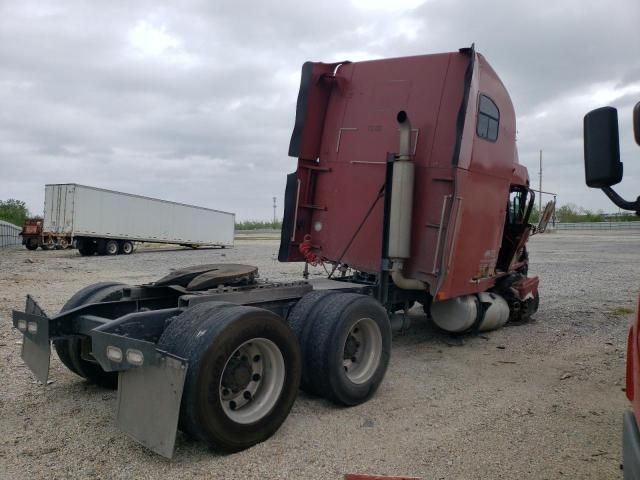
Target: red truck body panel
(633, 363)
(346, 125)
(32, 226)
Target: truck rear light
(32, 328)
(630, 360)
(135, 357)
(22, 325)
(114, 354)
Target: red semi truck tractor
(603, 169)
(408, 188)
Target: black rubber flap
(199, 277)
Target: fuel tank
(484, 311)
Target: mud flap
(149, 400)
(36, 346)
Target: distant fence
(598, 226)
(9, 234)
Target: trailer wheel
(32, 244)
(126, 247)
(348, 348)
(86, 247)
(111, 247)
(301, 319)
(69, 349)
(243, 374)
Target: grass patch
(622, 311)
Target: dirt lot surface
(542, 400)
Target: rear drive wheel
(348, 348)
(126, 247)
(69, 349)
(243, 375)
(32, 244)
(301, 320)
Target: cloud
(196, 103)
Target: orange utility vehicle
(408, 188)
(603, 169)
(32, 234)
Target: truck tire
(126, 247)
(302, 317)
(31, 244)
(68, 349)
(86, 247)
(243, 374)
(348, 348)
(111, 247)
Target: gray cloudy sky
(195, 102)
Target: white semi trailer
(107, 222)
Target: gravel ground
(542, 400)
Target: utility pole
(540, 187)
(275, 219)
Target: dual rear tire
(87, 247)
(243, 375)
(345, 340)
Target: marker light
(114, 354)
(135, 357)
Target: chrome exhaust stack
(401, 208)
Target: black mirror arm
(621, 202)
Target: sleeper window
(488, 119)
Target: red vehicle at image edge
(603, 169)
(407, 189)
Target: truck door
(516, 229)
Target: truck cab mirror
(636, 122)
(602, 165)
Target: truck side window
(488, 119)
(516, 208)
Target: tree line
(258, 225)
(572, 213)
(13, 211)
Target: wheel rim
(362, 351)
(127, 247)
(252, 380)
(112, 248)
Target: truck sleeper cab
(433, 223)
(408, 189)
